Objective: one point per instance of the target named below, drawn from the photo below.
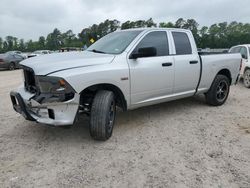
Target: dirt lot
(178, 144)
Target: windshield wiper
(97, 51)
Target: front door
(152, 78)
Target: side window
(243, 52)
(232, 50)
(235, 49)
(182, 43)
(17, 56)
(157, 39)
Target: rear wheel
(218, 93)
(246, 78)
(102, 117)
(12, 66)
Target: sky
(29, 19)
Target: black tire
(218, 92)
(102, 117)
(246, 78)
(12, 66)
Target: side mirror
(144, 52)
(243, 56)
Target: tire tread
(98, 118)
(210, 95)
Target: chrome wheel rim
(222, 91)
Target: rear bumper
(57, 114)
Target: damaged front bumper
(51, 113)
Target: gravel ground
(183, 143)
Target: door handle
(167, 64)
(193, 62)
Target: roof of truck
(153, 28)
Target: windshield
(114, 43)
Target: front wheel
(218, 92)
(12, 66)
(246, 78)
(102, 117)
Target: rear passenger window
(182, 43)
(157, 39)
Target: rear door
(187, 63)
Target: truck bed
(211, 64)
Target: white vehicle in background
(244, 50)
(39, 52)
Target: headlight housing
(54, 88)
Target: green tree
(15, 43)
(180, 23)
(150, 23)
(204, 37)
(97, 31)
(126, 25)
(54, 40)
(138, 24)
(30, 46)
(41, 43)
(9, 43)
(21, 45)
(5, 46)
(1, 45)
(192, 25)
(166, 25)
(68, 38)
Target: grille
(29, 80)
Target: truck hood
(46, 64)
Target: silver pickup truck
(127, 69)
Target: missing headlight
(53, 89)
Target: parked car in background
(129, 69)
(38, 53)
(19, 53)
(10, 60)
(244, 50)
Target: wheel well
(246, 68)
(226, 73)
(87, 95)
